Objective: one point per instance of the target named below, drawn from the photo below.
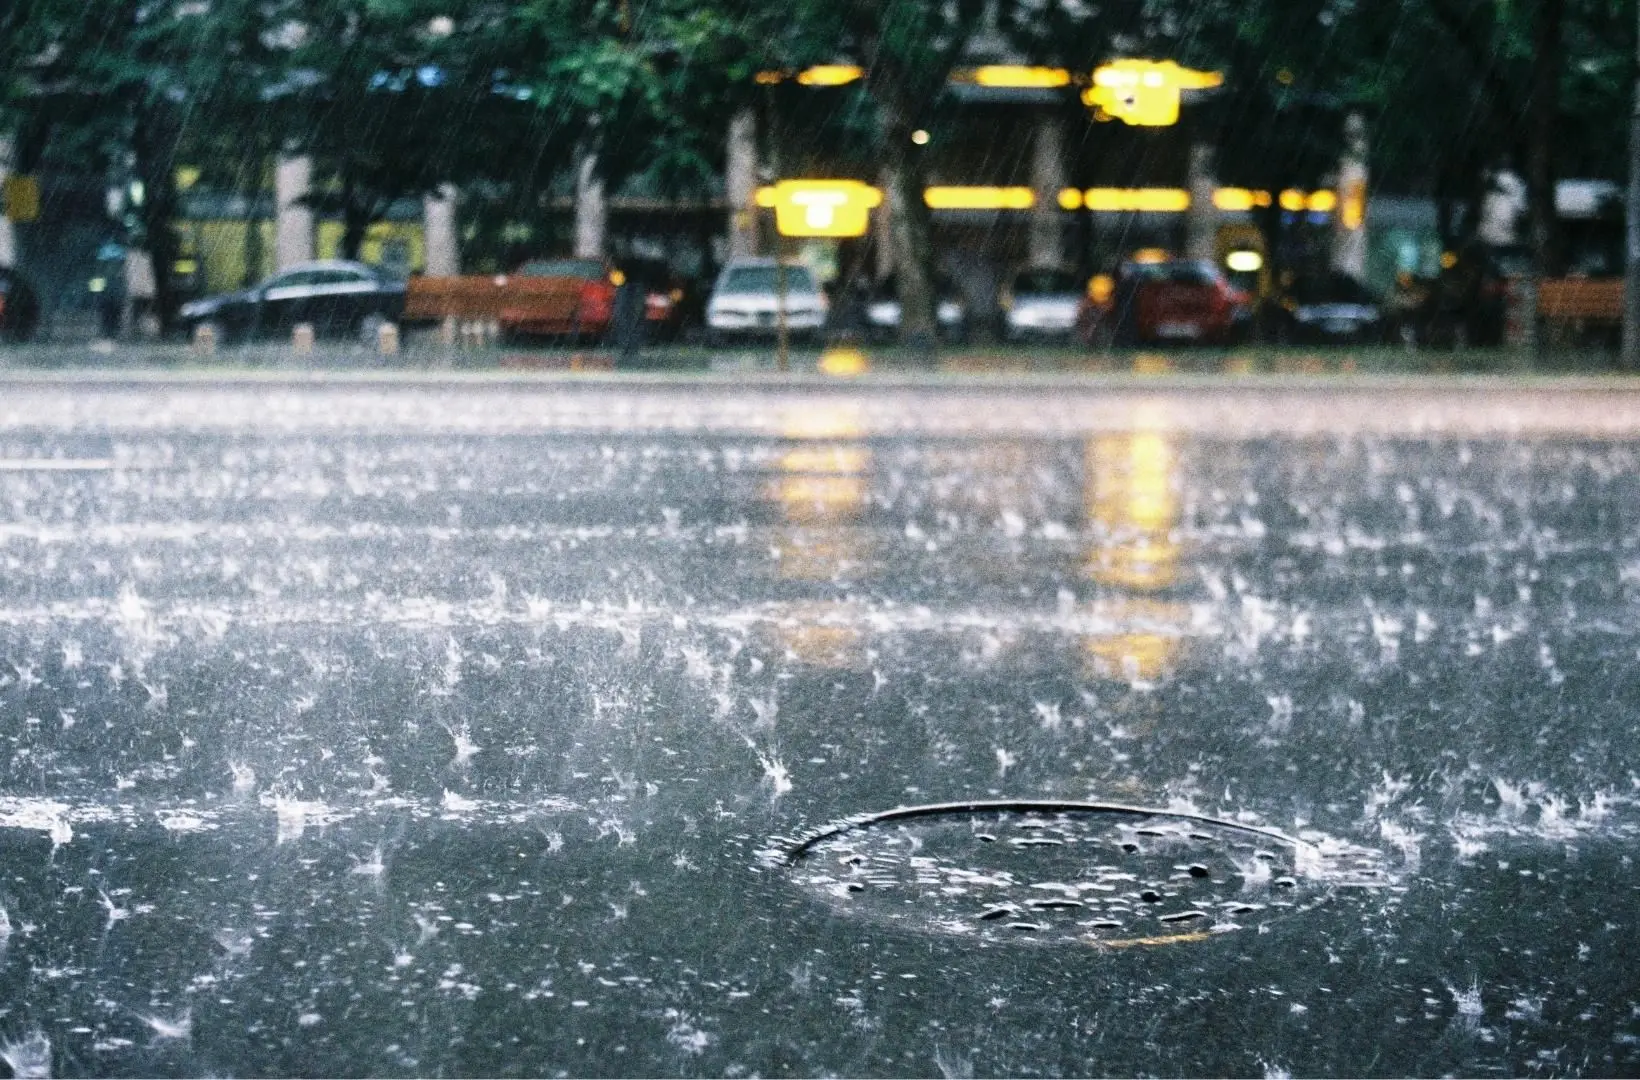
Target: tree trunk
(155, 166)
(356, 215)
(253, 226)
(1631, 234)
(910, 233)
(1542, 109)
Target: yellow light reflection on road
(843, 362)
(1132, 506)
(820, 488)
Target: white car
(745, 302)
(883, 311)
(1040, 303)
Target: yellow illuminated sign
(21, 198)
(829, 75)
(1354, 203)
(821, 207)
(1017, 77)
(979, 198)
(1144, 93)
(1156, 200)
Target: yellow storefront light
(1354, 205)
(1244, 262)
(1148, 200)
(1014, 76)
(830, 75)
(1145, 93)
(1292, 199)
(1150, 256)
(1322, 202)
(979, 198)
(1235, 199)
(1070, 199)
(836, 208)
(20, 198)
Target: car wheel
(367, 330)
(218, 332)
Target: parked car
(1466, 303)
(745, 303)
(588, 287)
(1326, 309)
(670, 302)
(19, 307)
(883, 310)
(1041, 302)
(1172, 301)
(333, 296)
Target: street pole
(782, 331)
(1631, 269)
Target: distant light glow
(830, 75)
(1146, 200)
(1292, 200)
(1015, 76)
(979, 198)
(1150, 256)
(1244, 262)
(920, 137)
(1070, 199)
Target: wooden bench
(506, 298)
(1586, 300)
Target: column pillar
(8, 236)
(591, 212)
(438, 212)
(293, 227)
(1047, 244)
(1350, 218)
(1201, 223)
(740, 183)
(882, 229)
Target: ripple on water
(1085, 873)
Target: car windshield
(764, 279)
(1335, 289)
(583, 269)
(1045, 282)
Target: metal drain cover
(1095, 873)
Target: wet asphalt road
(469, 727)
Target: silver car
(1040, 303)
(745, 302)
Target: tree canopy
(397, 98)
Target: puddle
(1069, 872)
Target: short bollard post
(205, 339)
(301, 339)
(447, 331)
(387, 339)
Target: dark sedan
(19, 307)
(336, 298)
(1326, 310)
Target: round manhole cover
(1095, 873)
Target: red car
(1174, 301)
(582, 305)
